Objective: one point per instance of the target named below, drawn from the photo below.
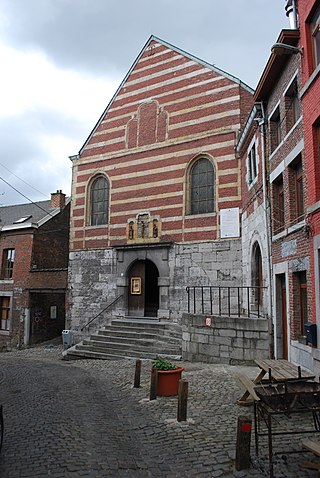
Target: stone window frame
(292, 103)
(188, 179)
(278, 205)
(275, 132)
(314, 24)
(8, 258)
(90, 186)
(8, 330)
(252, 163)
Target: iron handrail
(206, 304)
(102, 311)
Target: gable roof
(22, 216)
(177, 50)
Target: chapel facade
(157, 190)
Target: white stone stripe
(132, 114)
(159, 53)
(204, 119)
(178, 90)
(230, 198)
(212, 104)
(152, 210)
(154, 158)
(161, 170)
(173, 59)
(171, 81)
(146, 78)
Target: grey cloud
(105, 36)
(23, 154)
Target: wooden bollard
(182, 400)
(153, 384)
(243, 443)
(137, 374)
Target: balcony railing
(226, 301)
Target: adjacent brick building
(309, 26)
(157, 191)
(34, 248)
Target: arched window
(99, 201)
(202, 187)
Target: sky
(62, 61)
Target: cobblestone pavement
(84, 419)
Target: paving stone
(84, 419)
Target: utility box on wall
(311, 334)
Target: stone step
(120, 352)
(130, 337)
(134, 338)
(141, 345)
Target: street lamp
(284, 49)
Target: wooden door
(136, 298)
(284, 318)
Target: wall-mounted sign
(229, 223)
(135, 286)
(208, 321)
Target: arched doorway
(257, 278)
(143, 295)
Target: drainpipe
(266, 208)
(292, 14)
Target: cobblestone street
(84, 419)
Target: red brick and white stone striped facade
(170, 109)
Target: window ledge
(6, 281)
(289, 230)
(205, 214)
(309, 82)
(102, 226)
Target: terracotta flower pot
(168, 382)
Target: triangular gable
(177, 50)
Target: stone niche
(143, 228)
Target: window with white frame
(252, 163)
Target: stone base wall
(92, 286)
(202, 264)
(227, 340)
(97, 277)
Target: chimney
(291, 12)
(58, 199)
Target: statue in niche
(143, 221)
(155, 230)
(131, 231)
(143, 226)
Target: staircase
(130, 337)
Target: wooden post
(137, 374)
(153, 384)
(243, 443)
(182, 400)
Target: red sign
(208, 321)
(246, 427)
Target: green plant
(160, 364)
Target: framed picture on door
(135, 286)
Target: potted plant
(169, 375)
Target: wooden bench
(248, 384)
(314, 447)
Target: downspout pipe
(266, 208)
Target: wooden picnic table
(277, 371)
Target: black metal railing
(100, 313)
(227, 301)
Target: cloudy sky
(62, 60)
